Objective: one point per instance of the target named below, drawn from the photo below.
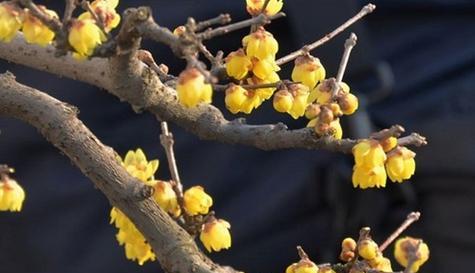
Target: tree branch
(292, 56)
(57, 122)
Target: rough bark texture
(57, 122)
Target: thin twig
(260, 19)
(166, 139)
(302, 254)
(411, 218)
(100, 23)
(219, 20)
(413, 139)
(68, 11)
(349, 44)
(292, 56)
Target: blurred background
(414, 65)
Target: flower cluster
(84, 32)
(196, 202)
(255, 65)
(373, 165)
(326, 106)
(12, 194)
(405, 249)
(135, 244)
(292, 100)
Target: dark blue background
(274, 200)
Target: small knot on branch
(369, 8)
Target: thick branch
(134, 82)
(58, 123)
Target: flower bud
(308, 70)
(388, 143)
(400, 164)
(347, 255)
(348, 103)
(300, 93)
(12, 195)
(215, 235)
(336, 109)
(254, 7)
(283, 101)
(197, 201)
(348, 244)
(409, 248)
(312, 111)
(326, 115)
(238, 64)
(303, 266)
(261, 44)
(368, 249)
(235, 97)
(192, 88)
(381, 264)
(84, 37)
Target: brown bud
(326, 115)
(347, 255)
(322, 128)
(312, 111)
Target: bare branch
(167, 141)
(349, 44)
(257, 20)
(219, 20)
(292, 56)
(68, 11)
(411, 218)
(57, 122)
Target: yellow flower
(252, 102)
(308, 70)
(105, 9)
(166, 198)
(238, 64)
(368, 249)
(136, 246)
(283, 101)
(215, 235)
(35, 31)
(300, 93)
(264, 93)
(369, 153)
(400, 164)
(261, 44)
(235, 97)
(192, 88)
(12, 195)
(197, 201)
(348, 103)
(84, 37)
(303, 266)
(136, 164)
(11, 19)
(364, 177)
(408, 247)
(263, 69)
(254, 7)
